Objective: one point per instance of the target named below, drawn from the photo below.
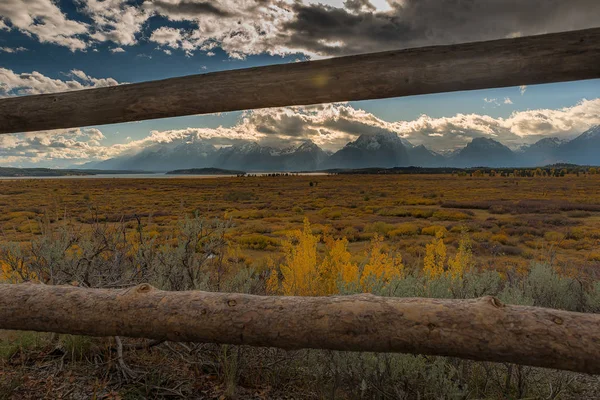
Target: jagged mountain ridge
(483, 152)
(584, 149)
(368, 150)
(543, 152)
(249, 156)
(254, 157)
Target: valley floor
(510, 221)
(527, 240)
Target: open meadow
(527, 240)
(508, 221)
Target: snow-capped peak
(485, 143)
(307, 146)
(592, 133)
(247, 147)
(374, 141)
(545, 143)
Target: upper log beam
(547, 58)
(479, 329)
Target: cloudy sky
(49, 46)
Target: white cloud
(117, 50)
(12, 49)
(89, 81)
(493, 102)
(115, 21)
(167, 36)
(239, 27)
(172, 38)
(12, 83)
(332, 125)
(522, 89)
(44, 20)
(56, 147)
(519, 128)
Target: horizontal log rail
(556, 57)
(479, 329)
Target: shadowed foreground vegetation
(35, 364)
(403, 236)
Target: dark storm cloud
(413, 23)
(359, 5)
(190, 8)
(246, 27)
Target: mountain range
(368, 150)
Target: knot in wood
(497, 303)
(557, 320)
(231, 303)
(494, 301)
(144, 288)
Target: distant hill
(18, 172)
(380, 150)
(205, 171)
(41, 172)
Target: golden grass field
(509, 220)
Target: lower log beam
(480, 329)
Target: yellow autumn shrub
(336, 265)
(16, 274)
(405, 229)
(433, 230)
(303, 274)
(554, 237)
(594, 256)
(299, 270)
(449, 215)
(381, 265)
(500, 238)
(6, 272)
(435, 257)
(463, 260)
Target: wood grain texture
(479, 329)
(547, 58)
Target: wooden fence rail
(547, 58)
(479, 329)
